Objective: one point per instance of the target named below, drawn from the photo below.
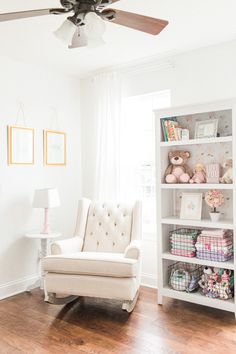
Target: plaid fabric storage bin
(182, 242)
(184, 276)
(219, 249)
(217, 257)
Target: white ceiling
(192, 24)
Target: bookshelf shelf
(175, 220)
(197, 186)
(224, 139)
(198, 298)
(194, 260)
(206, 150)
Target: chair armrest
(70, 245)
(134, 250)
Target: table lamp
(46, 198)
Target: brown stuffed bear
(178, 171)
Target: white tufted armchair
(102, 260)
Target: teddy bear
(228, 175)
(199, 174)
(178, 171)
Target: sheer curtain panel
(106, 100)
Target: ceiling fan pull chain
(21, 111)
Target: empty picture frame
(20, 145)
(54, 148)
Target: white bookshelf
(209, 150)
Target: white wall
(198, 76)
(39, 91)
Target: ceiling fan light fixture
(94, 29)
(66, 31)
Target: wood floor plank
(28, 325)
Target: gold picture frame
(54, 148)
(20, 145)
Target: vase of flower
(214, 198)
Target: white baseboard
(149, 280)
(16, 287)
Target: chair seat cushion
(92, 263)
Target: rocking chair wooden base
(129, 305)
(53, 299)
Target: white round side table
(45, 239)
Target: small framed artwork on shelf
(206, 129)
(54, 148)
(213, 173)
(191, 206)
(20, 145)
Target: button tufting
(115, 224)
(124, 215)
(109, 215)
(107, 233)
(100, 224)
(93, 214)
(113, 243)
(122, 234)
(118, 206)
(91, 233)
(97, 243)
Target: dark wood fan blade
(31, 13)
(139, 22)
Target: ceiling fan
(86, 23)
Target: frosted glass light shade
(79, 39)
(65, 32)
(94, 29)
(46, 198)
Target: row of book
(171, 130)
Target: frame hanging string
(54, 120)
(21, 111)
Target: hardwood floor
(28, 325)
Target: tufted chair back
(108, 226)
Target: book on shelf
(170, 129)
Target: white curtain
(106, 101)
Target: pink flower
(214, 198)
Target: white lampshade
(94, 29)
(46, 198)
(65, 32)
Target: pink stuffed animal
(199, 174)
(226, 276)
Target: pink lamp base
(46, 227)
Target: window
(137, 167)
